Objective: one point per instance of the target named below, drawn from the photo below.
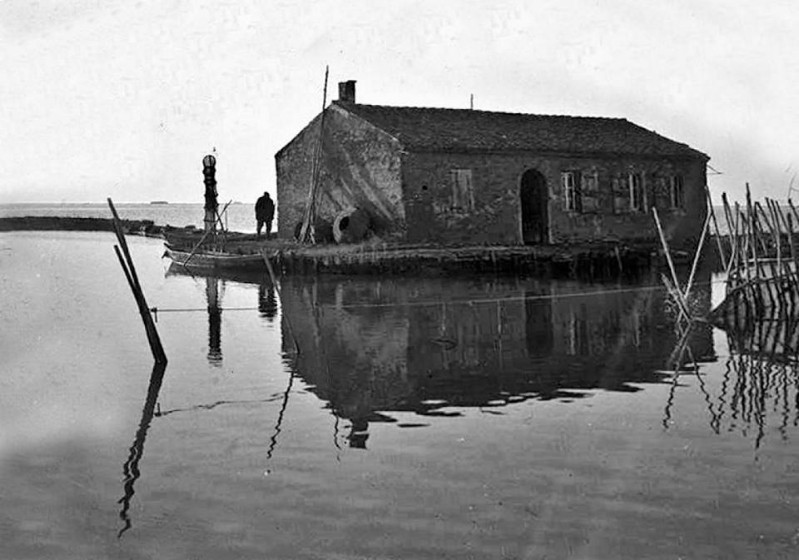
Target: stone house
(462, 176)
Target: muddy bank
(53, 223)
(574, 262)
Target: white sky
(123, 99)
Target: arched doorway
(534, 199)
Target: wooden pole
(222, 227)
(790, 267)
(705, 229)
(793, 209)
(750, 213)
(126, 262)
(778, 218)
(794, 255)
(719, 246)
(744, 219)
(679, 295)
(736, 247)
(778, 273)
(310, 207)
(676, 295)
(766, 264)
(200, 242)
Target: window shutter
(469, 189)
(590, 194)
(462, 191)
(661, 196)
(621, 197)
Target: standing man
(264, 213)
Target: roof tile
(423, 128)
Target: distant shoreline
(57, 223)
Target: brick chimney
(346, 91)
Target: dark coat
(264, 208)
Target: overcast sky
(123, 99)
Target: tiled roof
(469, 130)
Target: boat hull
(216, 260)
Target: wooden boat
(215, 260)
(244, 275)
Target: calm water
(345, 418)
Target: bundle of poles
(126, 262)
(762, 267)
(759, 252)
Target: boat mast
(307, 232)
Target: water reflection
(212, 294)
(267, 303)
(215, 282)
(761, 378)
(370, 348)
(130, 468)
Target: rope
(452, 302)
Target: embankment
(57, 223)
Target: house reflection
(373, 347)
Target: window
(677, 192)
(637, 201)
(589, 191)
(462, 191)
(571, 194)
(590, 183)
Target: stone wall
(433, 214)
(410, 196)
(360, 168)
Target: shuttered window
(572, 201)
(677, 192)
(637, 194)
(589, 191)
(462, 189)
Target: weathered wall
(496, 218)
(360, 168)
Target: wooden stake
(752, 218)
(778, 222)
(719, 246)
(200, 242)
(736, 247)
(138, 294)
(794, 255)
(679, 295)
(744, 220)
(698, 253)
